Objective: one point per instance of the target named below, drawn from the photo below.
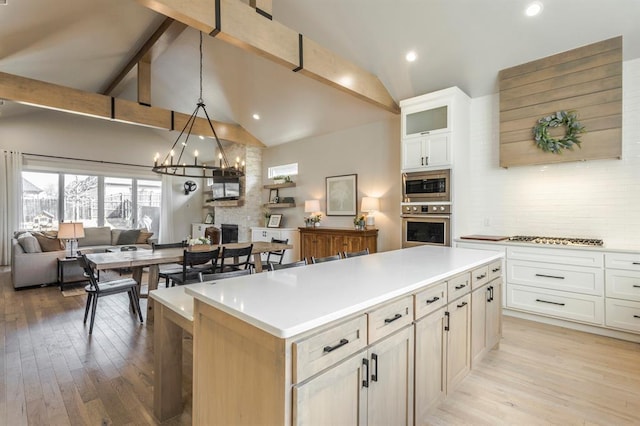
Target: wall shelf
(224, 203)
(279, 185)
(279, 205)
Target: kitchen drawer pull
(552, 303)
(636, 316)
(461, 286)
(446, 324)
(374, 375)
(636, 286)
(390, 320)
(328, 349)
(550, 276)
(479, 277)
(494, 270)
(435, 299)
(462, 305)
(365, 381)
(635, 263)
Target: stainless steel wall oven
(426, 224)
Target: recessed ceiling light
(533, 9)
(411, 56)
(256, 116)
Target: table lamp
(370, 205)
(312, 207)
(70, 232)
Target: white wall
(66, 135)
(593, 199)
(371, 151)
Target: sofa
(34, 257)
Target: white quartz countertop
(291, 301)
(618, 248)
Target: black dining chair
(355, 253)
(95, 290)
(169, 268)
(195, 263)
(275, 256)
(233, 259)
(224, 275)
(325, 259)
(278, 266)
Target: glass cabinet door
(427, 120)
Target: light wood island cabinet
(329, 356)
(322, 242)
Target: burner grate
(558, 240)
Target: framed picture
(342, 192)
(273, 196)
(209, 218)
(274, 221)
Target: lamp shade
(370, 204)
(70, 231)
(311, 206)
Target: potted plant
(358, 221)
(281, 179)
(313, 220)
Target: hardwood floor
(53, 373)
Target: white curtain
(166, 211)
(10, 200)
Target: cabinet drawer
(576, 279)
(479, 277)
(317, 352)
(495, 270)
(430, 299)
(458, 286)
(623, 314)
(623, 284)
(572, 306)
(389, 318)
(561, 256)
(622, 261)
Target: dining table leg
(257, 262)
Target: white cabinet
(291, 234)
(623, 291)
(431, 124)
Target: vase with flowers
(313, 220)
(358, 222)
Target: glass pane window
(283, 170)
(118, 202)
(81, 199)
(39, 201)
(148, 211)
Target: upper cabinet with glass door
(431, 125)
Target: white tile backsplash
(593, 199)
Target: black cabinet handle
(490, 292)
(462, 305)
(365, 381)
(342, 342)
(446, 324)
(426, 160)
(550, 276)
(479, 277)
(374, 375)
(422, 161)
(460, 287)
(551, 303)
(390, 320)
(636, 316)
(635, 263)
(636, 286)
(495, 270)
(435, 299)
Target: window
(284, 170)
(93, 200)
(39, 201)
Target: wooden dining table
(143, 258)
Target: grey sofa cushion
(98, 236)
(29, 243)
(128, 237)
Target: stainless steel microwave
(419, 187)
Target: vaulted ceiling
(84, 45)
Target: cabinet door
(458, 341)
(307, 246)
(494, 314)
(352, 244)
(479, 307)
(390, 392)
(437, 150)
(412, 155)
(336, 396)
(430, 379)
(336, 244)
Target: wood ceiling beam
(237, 23)
(159, 41)
(52, 96)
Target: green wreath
(568, 119)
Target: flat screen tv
(224, 188)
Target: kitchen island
(266, 346)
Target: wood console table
(321, 242)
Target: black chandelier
(177, 165)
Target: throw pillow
(128, 237)
(48, 243)
(144, 236)
(29, 243)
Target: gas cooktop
(558, 240)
